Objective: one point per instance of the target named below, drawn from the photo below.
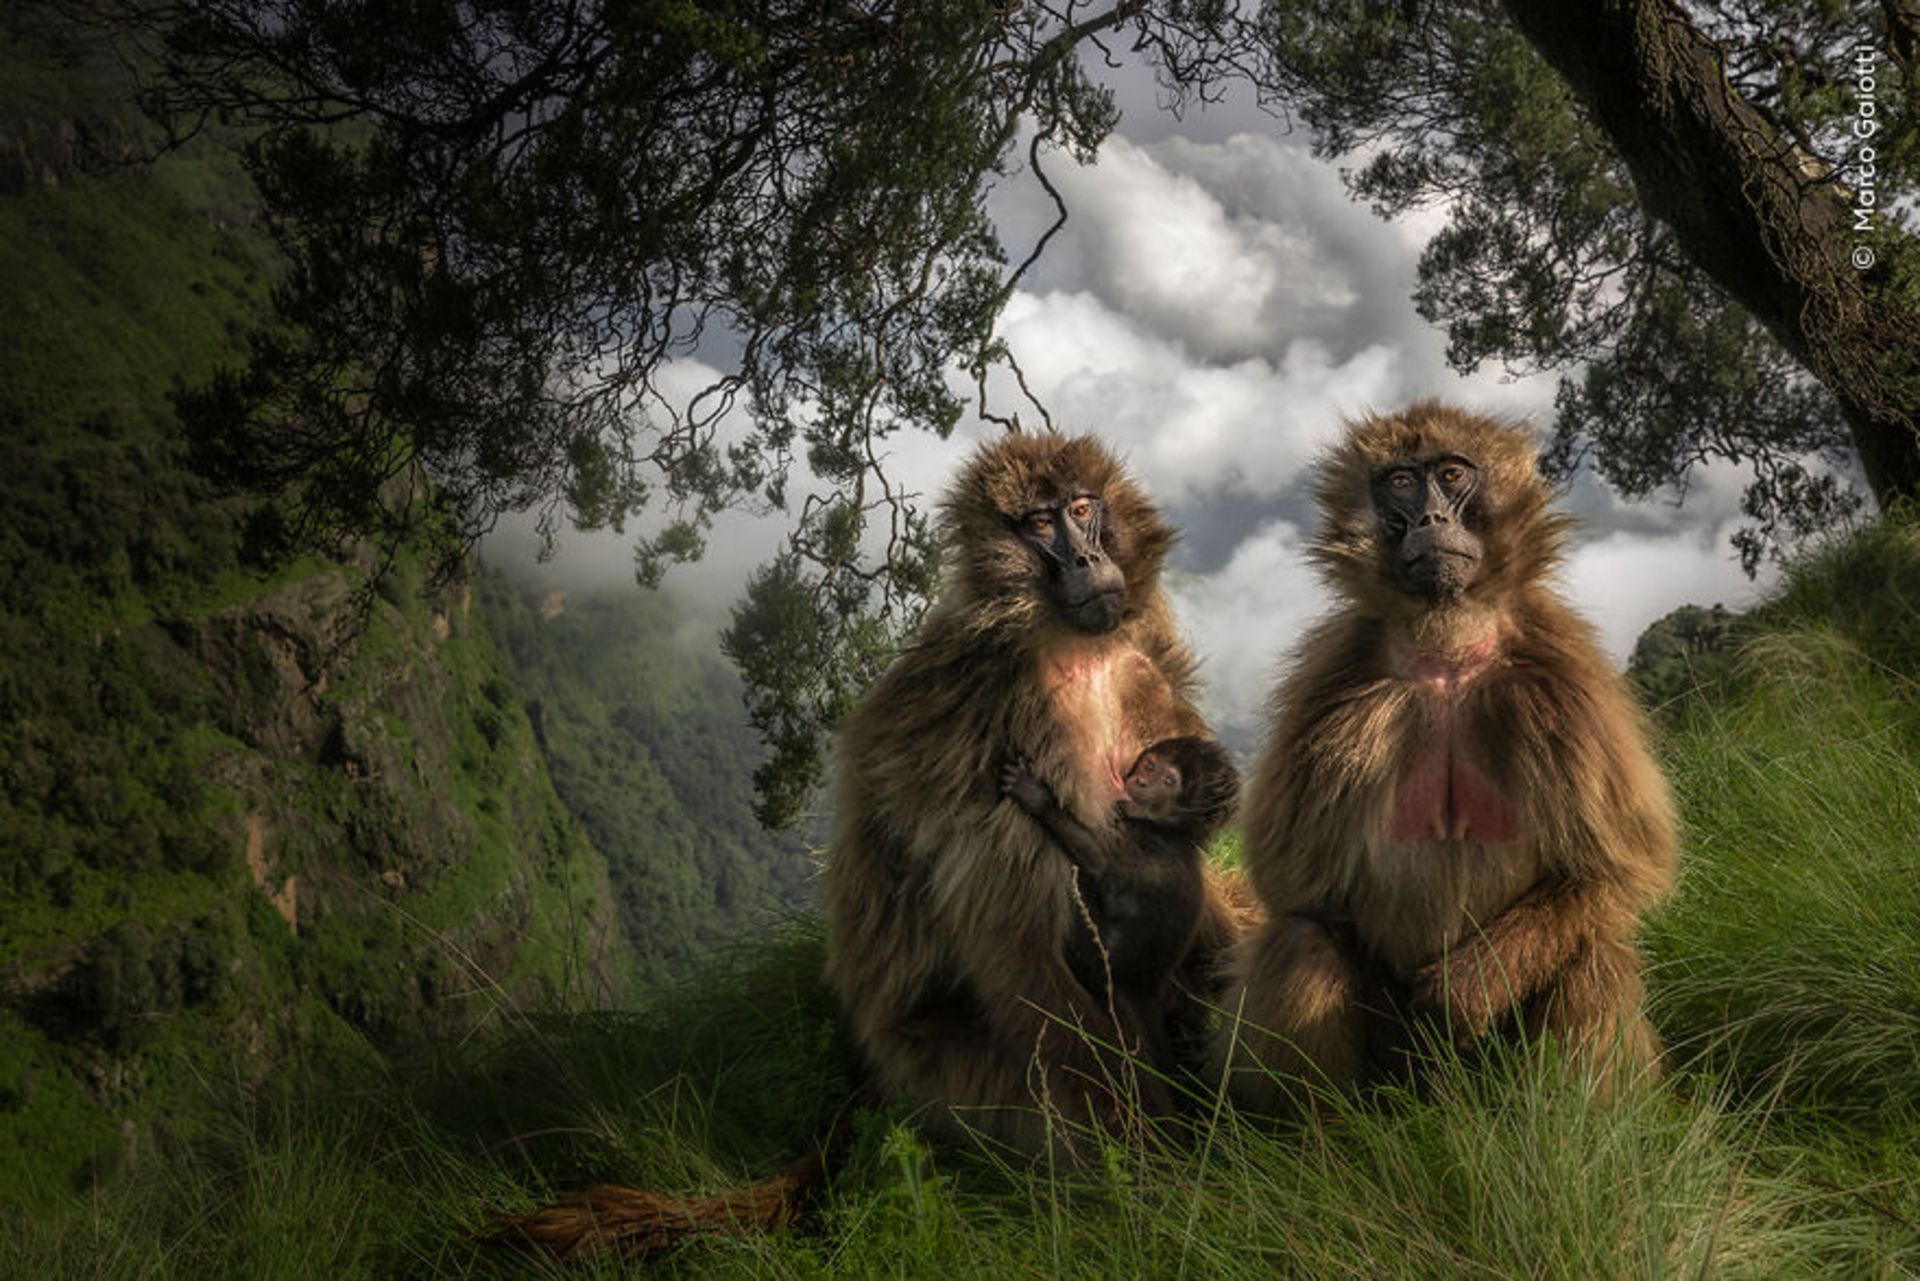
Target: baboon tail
(635, 1222)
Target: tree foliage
(633, 263)
(1570, 246)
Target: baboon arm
(1517, 953)
(1090, 850)
(1580, 741)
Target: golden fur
(948, 907)
(1535, 926)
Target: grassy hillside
(302, 954)
(1784, 1143)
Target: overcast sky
(1214, 309)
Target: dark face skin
(1087, 586)
(1153, 790)
(1423, 504)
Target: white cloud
(1624, 580)
(1166, 249)
(1190, 427)
(1244, 620)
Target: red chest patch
(1443, 792)
(1442, 796)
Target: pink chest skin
(1444, 792)
(1085, 691)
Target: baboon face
(1048, 532)
(1185, 784)
(1154, 787)
(1423, 505)
(1068, 536)
(1433, 506)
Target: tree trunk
(1768, 222)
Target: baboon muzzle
(1439, 560)
(1093, 591)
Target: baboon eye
(1081, 510)
(1400, 482)
(1042, 525)
(1452, 474)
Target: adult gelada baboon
(948, 908)
(1455, 819)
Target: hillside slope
(1784, 1141)
(649, 746)
(240, 824)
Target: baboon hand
(1019, 783)
(1465, 988)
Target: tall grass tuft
(1790, 957)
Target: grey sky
(1214, 308)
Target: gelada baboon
(1140, 880)
(1455, 815)
(948, 908)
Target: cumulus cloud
(1168, 250)
(1624, 580)
(1243, 619)
(1193, 426)
(1214, 308)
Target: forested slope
(649, 745)
(246, 818)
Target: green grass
(1790, 957)
(1784, 1142)
(1508, 1170)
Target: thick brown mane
(1456, 819)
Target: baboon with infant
(949, 909)
(1141, 882)
(1455, 821)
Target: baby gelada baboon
(1140, 877)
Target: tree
(510, 224)
(1666, 200)
(1684, 651)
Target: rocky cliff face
(250, 814)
